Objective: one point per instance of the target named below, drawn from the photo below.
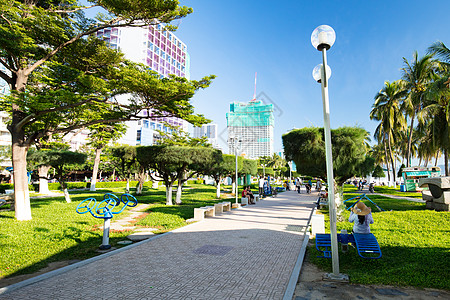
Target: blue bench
(366, 244)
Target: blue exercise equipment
(105, 210)
(366, 244)
(360, 197)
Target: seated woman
(251, 198)
(361, 215)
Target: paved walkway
(249, 253)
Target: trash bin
(402, 188)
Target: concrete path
(249, 253)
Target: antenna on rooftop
(254, 93)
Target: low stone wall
(438, 196)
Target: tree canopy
(306, 147)
(62, 77)
(172, 163)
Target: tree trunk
(446, 162)
(21, 194)
(66, 191)
(19, 153)
(392, 159)
(179, 192)
(218, 188)
(98, 151)
(128, 185)
(169, 193)
(408, 152)
(141, 180)
(437, 158)
(387, 161)
(43, 181)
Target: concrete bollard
(317, 224)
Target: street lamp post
(322, 39)
(290, 170)
(235, 141)
(264, 170)
(236, 185)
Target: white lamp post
(235, 141)
(264, 170)
(290, 170)
(322, 39)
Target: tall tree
(62, 161)
(249, 167)
(439, 100)
(386, 109)
(224, 168)
(35, 35)
(125, 162)
(417, 76)
(100, 135)
(174, 163)
(437, 112)
(306, 148)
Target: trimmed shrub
(10, 186)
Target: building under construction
(252, 124)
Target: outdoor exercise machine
(359, 198)
(106, 210)
(366, 244)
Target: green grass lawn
(396, 192)
(350, 188)
(415, 244)
(58, 233)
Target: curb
(290, 290)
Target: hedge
(10, 186)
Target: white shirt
(261, 182)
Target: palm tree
(439, 106)
(386, 109)
(427, 148)
(417, 77)
(276, 161)
(379, 153)
(437, 114)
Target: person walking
(261, 186)
(298, 184)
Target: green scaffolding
(253, 113)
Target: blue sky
(234, 39)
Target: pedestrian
(361, 215)
(298, 184)
(261, 186)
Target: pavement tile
(247, 253)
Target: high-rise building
(252, 123)
(209, 131)
(165, 54)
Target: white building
(209, 131)
(165, 54)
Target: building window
(138, 136)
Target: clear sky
(234, 39)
